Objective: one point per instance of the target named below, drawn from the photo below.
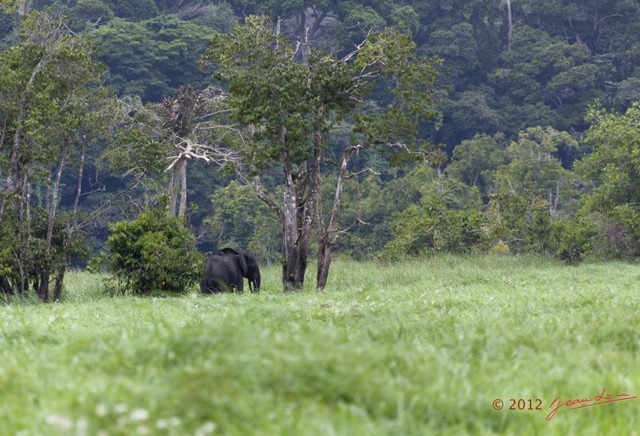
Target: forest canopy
(529, 128)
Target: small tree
(153, 253)
(533, 190)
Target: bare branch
(187, 149)
(366, 170)
(338, 232)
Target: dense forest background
(537, 127)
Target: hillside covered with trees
(374, 129)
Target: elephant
(228, 270)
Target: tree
(447, 218)
(137, 10)
(533, 189)
(475, 160)
(153, 253)
(613, 204)
(163, 137)
(544, 69)
(289, 101)
(52, 108)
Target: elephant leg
(221, 286)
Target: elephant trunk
(255, 281)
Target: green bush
(153, 253)
(436, 225)
(571, 240)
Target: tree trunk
(509, 25)
(46, 262)
(58, 282)
(42, 288)
(324, 261)
(183, 189)
(331, 233)
(301, 192)
(290, 267)
(178, 184)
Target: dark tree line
(532, 106)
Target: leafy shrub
(571, 240)
(615, 233)
(438, 224)
(153, 253)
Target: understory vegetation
(420, 347)
(296, 130)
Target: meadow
(430, 346)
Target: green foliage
(533, 190)
(268, 88)
(88, 13)
(545, 69)
(153, 57)
(475, 161)
(612, 206)
(572, 241)
(373, 201)
(288, 97)
(493, 84)
(135, 10)
(153, 253)
(240, 219)
(52, 109)
(23, 265)
(447, 219)
(135, 149)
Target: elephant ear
(243, 258)
(228, 251)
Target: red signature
(581, 403)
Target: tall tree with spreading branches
(289, 97)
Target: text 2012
(525, 404)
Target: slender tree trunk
(331, 233)
(295, 242)
(58, 282)
(183, 189)
(324, 261)
(53, 199)
(70, 229)
(42, 288)
(178, 186)
(301, 193)
(23, 214)
(509, 25)
(172, 192)
(290, 266)
(46, 262)
(24, 8)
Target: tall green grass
(423, 347)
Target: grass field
(425, 347)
